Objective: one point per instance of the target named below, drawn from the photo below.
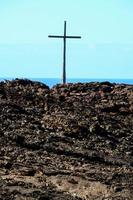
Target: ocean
(53, 81)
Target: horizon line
(67, 78)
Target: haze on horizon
(105, 50)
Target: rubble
(73, 141)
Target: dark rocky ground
(71, 142)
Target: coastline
(53, 81)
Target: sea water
(53, 81)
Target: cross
(64, 37)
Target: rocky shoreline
(72, 142)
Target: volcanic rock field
(70, 142)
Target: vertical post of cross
(64, 55)
(64, 37)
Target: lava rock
(73, 141)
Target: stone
(73, 141)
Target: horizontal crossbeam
(70, 37)
(64, 37)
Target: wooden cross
(64, 37)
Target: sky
(105, 50)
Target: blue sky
(105, 50)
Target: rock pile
(74, 141)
